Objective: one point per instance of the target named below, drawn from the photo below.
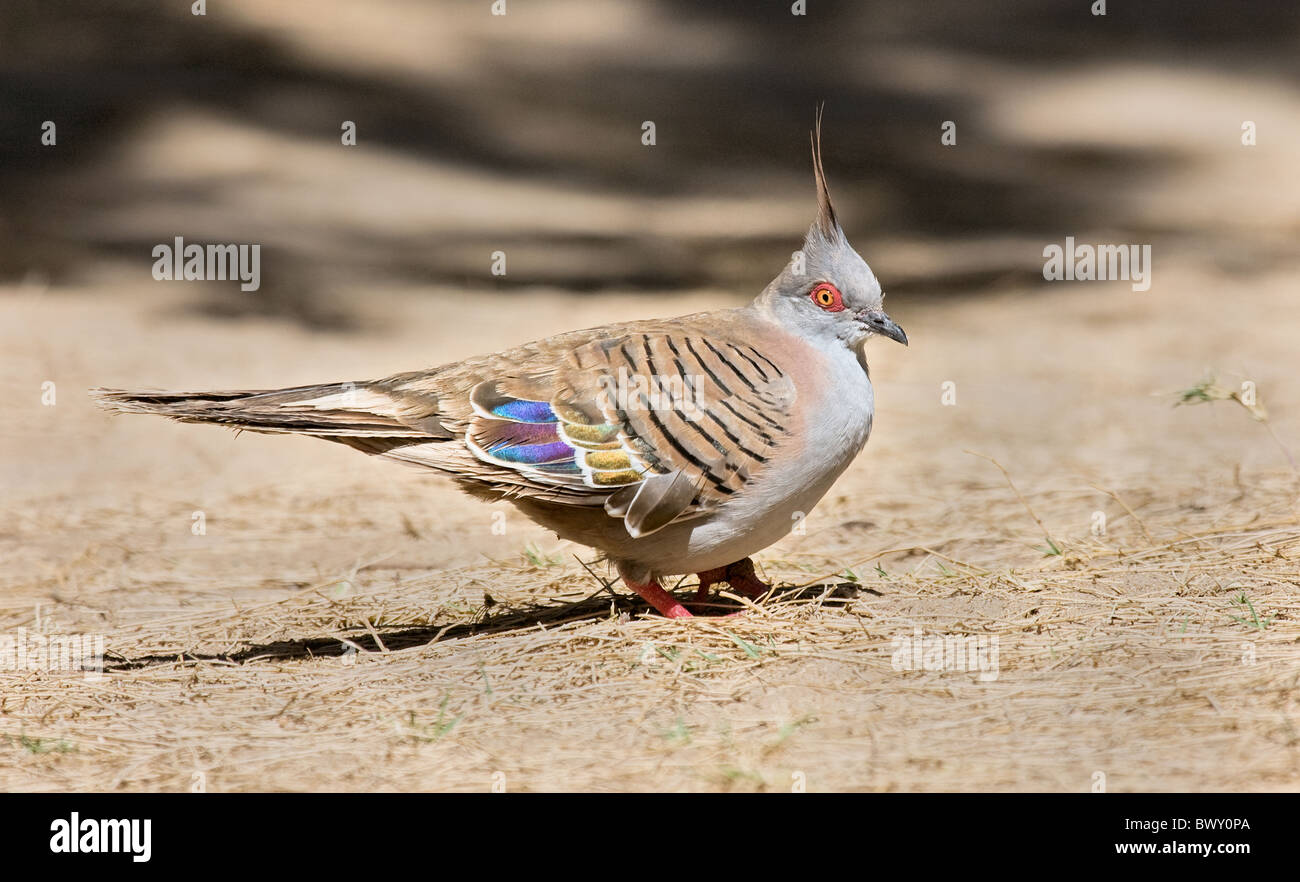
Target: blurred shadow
(737, 126)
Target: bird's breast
(831, 419)
(835, 404)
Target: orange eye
(827, 296)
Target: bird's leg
(739, 575)
(708, 579)
(646, 585)
(744, 581)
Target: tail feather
(341, 410)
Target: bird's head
(827, 292)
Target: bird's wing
(657, 423)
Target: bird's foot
(739, 575)
(745, 582)
(708, 579)
(654, 594)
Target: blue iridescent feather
(525, 411)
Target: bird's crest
(826, 220)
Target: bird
(672, 446)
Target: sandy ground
(498, 660)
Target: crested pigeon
(673, 446)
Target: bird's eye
(828, 297)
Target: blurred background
(522, 133)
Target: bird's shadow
(504, 621)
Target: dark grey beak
(881, 324)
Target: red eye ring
(827, 296)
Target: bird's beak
(881, 324)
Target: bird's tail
(333, 410)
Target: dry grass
(1124, 656)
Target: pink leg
(744, 581)
(739, 575)
(708, 579)
(654, 594)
